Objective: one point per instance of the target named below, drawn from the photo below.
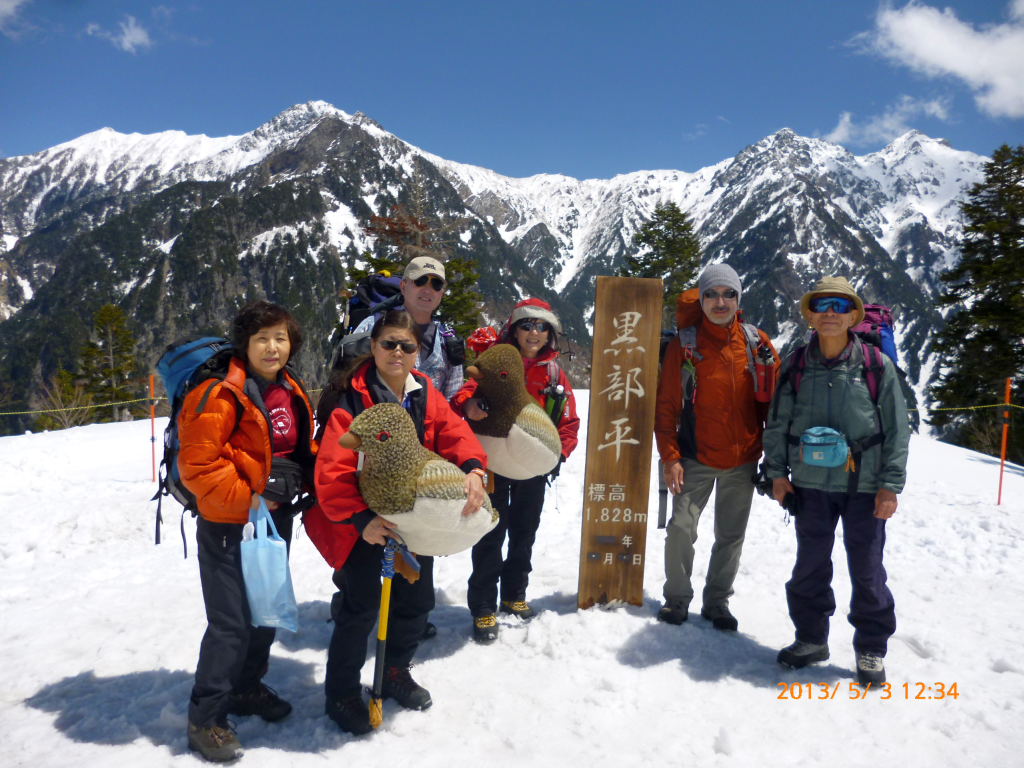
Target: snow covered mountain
(180, 230)
(783, 211)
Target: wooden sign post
(623, 383)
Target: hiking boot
(800, 654)
(485, 629)
(217, 743)
(516, 608)
(870, 668)
(720, 617)
(399, 685)
(350, 713)
(259, 699)
(673, 612)
(429, 631)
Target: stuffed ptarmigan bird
(422, 493)
(518, 436)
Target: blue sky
(586, 89)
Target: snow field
(101, 631)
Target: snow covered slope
(101, 630)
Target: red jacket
(337, 487)
(537, 378)
(225, 459)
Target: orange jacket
(225, 459)
(722, 427)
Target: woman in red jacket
(531, 328)
(254, 426)
(351, 537)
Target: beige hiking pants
(733, 496)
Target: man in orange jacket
(713, 395)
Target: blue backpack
(186, 364)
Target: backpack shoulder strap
(688, 341)
(752, 335)
(873, 368)
(753, 339)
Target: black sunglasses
(392, 344)
(730, 294)
(435, 282)
(530, 325)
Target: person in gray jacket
(839, 428)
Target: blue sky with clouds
(588, 89)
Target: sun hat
(839, 286)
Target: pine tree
(460, 306)
(666, 248)
(108, 360)
(983, 342)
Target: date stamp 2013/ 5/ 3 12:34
(827, 692)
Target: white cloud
(10, 23)
(883, 128)
(698, 130)
(133, 35)
(989, 59)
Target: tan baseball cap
(424, 265)
(838, 286)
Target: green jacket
(833, 394)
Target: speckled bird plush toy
(517, 435)
(414, 487)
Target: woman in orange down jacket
(255, 426)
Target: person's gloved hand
(558, 468)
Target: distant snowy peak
(107, 161)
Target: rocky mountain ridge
(180, 230)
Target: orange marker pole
(1002, 453)
(152, 423)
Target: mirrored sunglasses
(435, 282)
(837, 304)
(392, 344)
(730, 294)
(530, 325)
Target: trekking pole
(152, 423)
(662, 497)
(1002, 454)
(387, 571)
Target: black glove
(558, 468)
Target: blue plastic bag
(823, 447)
(268, 582)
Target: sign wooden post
(623, 383)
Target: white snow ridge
(101, 631)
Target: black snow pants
(519, 504)
(355, 607)
(234, 654)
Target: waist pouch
(823, 447)
(285, 481)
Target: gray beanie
(720, 274)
